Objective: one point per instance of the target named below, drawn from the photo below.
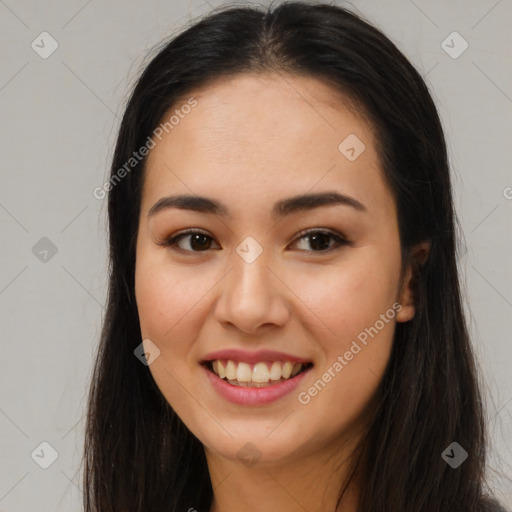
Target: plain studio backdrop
(67, 68)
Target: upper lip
(252, 357)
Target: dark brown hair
(139, 456)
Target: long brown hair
(139, 456)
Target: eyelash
(339, 239)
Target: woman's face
(252, 282)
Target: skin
(250, 141)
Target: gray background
(59, 120)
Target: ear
(419, 256)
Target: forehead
(265, 136)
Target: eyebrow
(281, 208)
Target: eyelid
(309, 231)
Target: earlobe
(406, 298)
(419, 256)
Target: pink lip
(254, 396)
(253, 357)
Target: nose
(251, 297)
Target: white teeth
(230, 370)
(258, 375)
(287, 369)
(221, 370)
(243, 372)
(297, 367)
(275, 371)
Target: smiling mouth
(259, 375)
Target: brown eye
(190, 241)
(322, 241)
(198, 242)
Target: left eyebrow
(280, 209)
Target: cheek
(356, 331)
(164, 297)
(165, 302)
(355, 348)
(350, 298)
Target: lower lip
(254, 396)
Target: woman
(243, 364)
